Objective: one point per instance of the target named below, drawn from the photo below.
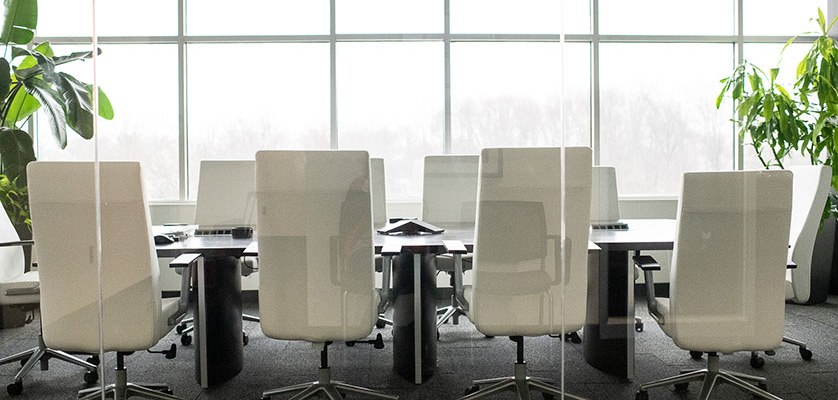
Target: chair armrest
(188, 262)
(791, 265)
(252, 250)
(18, 243)
(457, 249)
(388, 251)
(648, 264)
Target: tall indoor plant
(777, 121)
(30, 80)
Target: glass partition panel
(508, 94)
(658, 122)
(390, 102)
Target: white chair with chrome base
(316, 252)
(811, 188)
(529, 279)
(449, 197)
(726, 281)
(64, 215)
(20, 293)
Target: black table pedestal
(405, 340)
(220, 318)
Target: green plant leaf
(105, 107)
(821, 21)
(30, 61)
(53, 108)
(19, 21)
(15, 153)
(75, 56)
(22, 106)
(5, 78)
(77, 104)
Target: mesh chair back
(530, 276)
(63, 206)
(315, 245)
(729, 260)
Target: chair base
(521, 384)
(41, 355)
(711, 376)
(332, 390)
(122, 390)
(448, 312)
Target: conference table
(609, 327)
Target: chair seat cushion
(169, 306)
(25, 281)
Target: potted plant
(30, 80)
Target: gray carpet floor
(463, 355)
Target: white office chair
(379, 220)
(449, 197)
(316, 251)
(20, 292)
(726, 281)
(64, 215)
(811, 188)
(226, 199)
(529, 280)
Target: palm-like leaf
(19, 21)
(78, 104)
(53, 107)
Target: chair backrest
(811, 188)
(63, 207)
(315, 245)
(379, 193)
(605, 207)
(226, 194)
(522, 284)
(729, 260)
(11, 257)
(449, 190)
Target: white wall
(630, 208)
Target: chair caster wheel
(245, 339)
(548, 396)
(437, 334)
(15, 389)
(186, 340)
(641, 395)
(806, 354)
(90, 377)
(23, 362)
(350, 344)
(473, 389)
(180, 328)
(682, 387)
(696, 355)
(380, 324)
(93, 360)
(573, 337)
(638, 326)
(170, 392)
(757, 362)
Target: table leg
(414, 317)
(218, 326)
(609, 328)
